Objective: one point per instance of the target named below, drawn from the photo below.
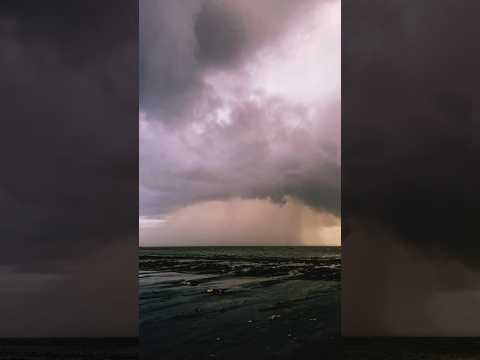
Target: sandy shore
(237, 308)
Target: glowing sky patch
(243, 222)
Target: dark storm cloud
(324, 196)
(210, 126)
(179, 41)
(69, 168)
(409, 172)
(257, 155)
(68, 143)
(66, 27)
(227, 32)
(220, 35)
(410, 105)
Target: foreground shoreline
(215, 303)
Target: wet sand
(235, 307)
(260, 307)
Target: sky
(410, 136)
(69, 178)
(239, 122)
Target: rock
(216, 291)
(190, 283)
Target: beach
(234, 302)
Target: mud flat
(231, 306)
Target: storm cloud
(410, 143)
(181, 41)
(69, 157)
(239, 101)
(411, 95)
